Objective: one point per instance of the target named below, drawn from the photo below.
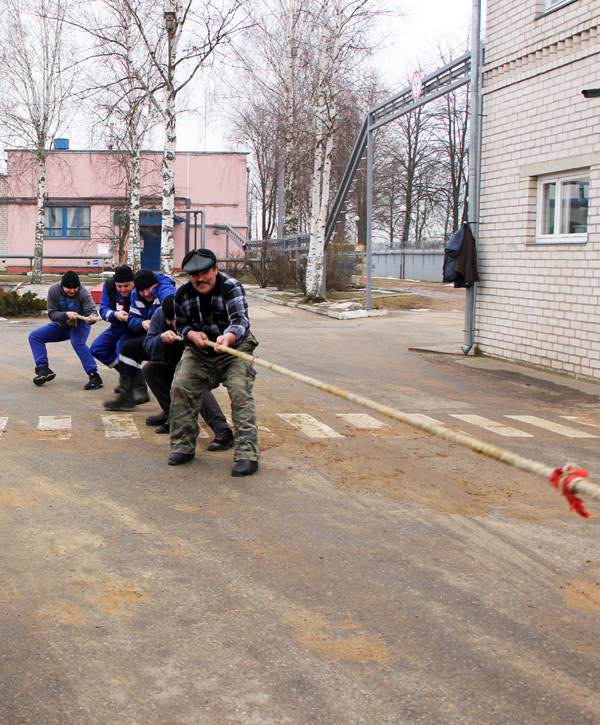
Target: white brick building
(539, 236)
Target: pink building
(86, 198)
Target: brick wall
(539, 304)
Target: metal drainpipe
(474, 161)
(188, 205)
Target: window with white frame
(562, 212)
(551, 4)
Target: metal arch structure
(464, 70)
(452, 76)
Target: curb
(350, 315)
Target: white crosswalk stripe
(309, 426)
(493, 426)
(562, 430)
(120, 426)
(3, 422)
(56, 423)
(575, 419)
(362, 421)
(428, 419)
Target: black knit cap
(168, 307)
(124, 273)
(144, 278)
(70, 278)
(198, 260)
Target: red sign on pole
(417, 85)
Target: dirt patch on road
(584, 593)
(313, 631)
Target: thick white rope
(578, 485)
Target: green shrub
(12, 304)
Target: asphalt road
(376, 575)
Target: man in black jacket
(165, 349)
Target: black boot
(140, 389)
(125, 400)
(158, 419)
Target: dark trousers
(107, 346)
(159, 376)
(132, 355)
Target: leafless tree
(257, 129)
(123, 110)
(175, 40)
(37, 81)
(343, 39)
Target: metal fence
(422, 264)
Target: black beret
(124, 273)
(144, 278)
(198, 260)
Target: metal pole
(195, 230)
(369, 208)
(203, 229)
(474, 160)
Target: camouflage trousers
(193, 374)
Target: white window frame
(554, 4)
(556, 237)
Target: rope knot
(565, 479)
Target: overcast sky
(411, 43)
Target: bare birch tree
(173, 41)
(342, 26)
(277, 66)
(37, 79)
(178, 42)
(123, 107)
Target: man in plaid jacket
(212, 306)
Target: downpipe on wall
(474, 163)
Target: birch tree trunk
(167, 244)
(326, 112)
(290, 221)
(38, 250)
(134, 248)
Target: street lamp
(170, 21)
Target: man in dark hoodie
(66, 300)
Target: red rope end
(562, 478)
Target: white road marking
(362, 421)
(3, 422)
(493, 426)
(562, 430)
(120, 426)
(427, 419)
(56, 422)
(309, 426)
(575, 419)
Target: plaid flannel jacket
(228, 310)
